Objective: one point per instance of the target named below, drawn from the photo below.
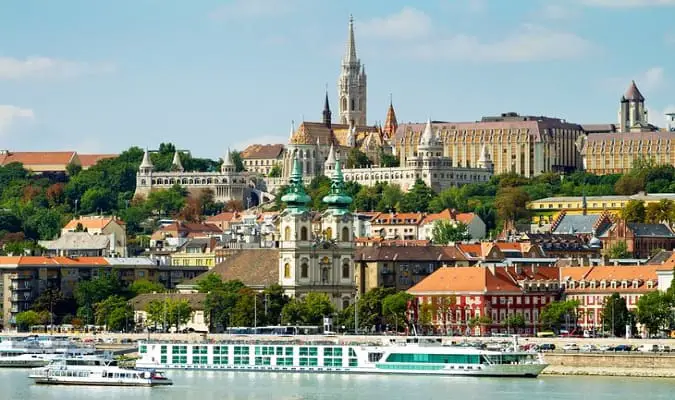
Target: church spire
(338, 200)
(390, 123)
(326, 112)
(350, 55)
(176, 165)
(296, 198)
(146, 163)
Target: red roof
(449, 280)
(88, 160)
(28, 158)
(43, 260)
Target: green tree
(417, 198)
(114, 312)
(235, 156)
(218, 308)
(209, 283)
(395, 308)
(97, 199)
(634, 211)
(663, 211)
(654, 311)
(357, 159)
(142, 286)
(511, 203)
(293, 312)
(317, 306)
(618, 250)
(73, 169)
(450, 198)
(445, 231)
(615, 315)
(425, 317)
(275, 171)
(483, 320)
(179, 312)
(629, 184)
(367, 199)
(388, 160)
(557, 313)
(53, 301)
(243, 312)
(390, 198)
(167, 202)
(275, 299)
(156, 313)
(88, 293)
(26, 319)
(515, 322)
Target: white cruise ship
(392, 356)
(95, 371)
(36, 351)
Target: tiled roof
(262, 151)
(633, 93)
(28, 158)
(77, 241)
(44, 260)
(598, 128)
(88, 160)
(254, 267)
(465, 279)
(472, 250)
(222, 217)
(650, 230)
(629, 136)
(408, 253)
(663, 257)
(575, 224)
(397, 219)
(94, 222)
(141, 301)
(609, 273)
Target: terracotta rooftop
(262, 151)
(93, 222)
(642, 273)
(28, 158)
(88, 160)
(45, 260)
(141, 301)
(465, 280)
(256, 268)
(397, 219)
(223, 217)
(408, 253)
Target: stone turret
(146, 166)
(485, 161)
(228, 165)
(176, 164)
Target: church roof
(633, 93)
(262, 151)
(311, 132)
(390, 123)
(89, 160)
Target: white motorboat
(95, 371)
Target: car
(623, 347)
(547, 347)
(605, 347)
(571, 347)
(648, 348)
(587, 348)
(664, 348)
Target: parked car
(587, 348)
(648, 348)
(664, 348)
(547, 347)
(623, 347)
(606, 347)
(571, 347)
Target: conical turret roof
(338, 200)
(633, 93)
(227, 160)
(176, 163)
(296, 198)
(146, 163)
(427, 137)
(390, 123)
(331, 155)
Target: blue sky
(101, 76)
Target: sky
(102, 76)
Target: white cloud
(409, 23)
(530, 43)
(45, 67)
(658, 116)
(9, 114)
(628, 3)
(251, 9)
(652, 79)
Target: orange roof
(641, 273)
(397, 218)
(42, 260)
(465, 279)
(28, 158)
(222, 217)
(94, 222)
(448, 215)
(262, 151)
(465, 218)
(514, 246)
(471, 249)
(88, 160)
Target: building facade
(112, 227)
(317, 260)
(526, 145)
(261, 158)
(226, 185)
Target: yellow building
(544, 211)
(261, 158)
(526, 145)
(200, 252)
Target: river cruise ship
(95, 371)
(391, 356)
(36, 351)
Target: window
(303, 233)
(345, 234)
(345, 303)
(304, 270)
(287, 270)
(287, 233)
(345, 271)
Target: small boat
(95, 371)
(10, 359)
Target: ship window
(374, 357)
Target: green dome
(296, 198)
(338, 201)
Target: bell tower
(352, 84)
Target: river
(14, 384)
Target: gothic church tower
(352, 85)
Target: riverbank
(611, 364)
(559, 370)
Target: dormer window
(635, 284)
(624, 284)
(603, 284)
(582, 285)
(571, 284)
(592, 284)
(613, 284)
(650, 284)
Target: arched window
(287, 270)
(304, 270)
(352, 104)
(345, 234)
(345, 303)
(345, 271)
(287, 233)
(303, 233)
(329, 233)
